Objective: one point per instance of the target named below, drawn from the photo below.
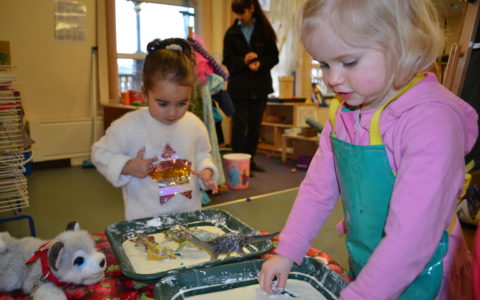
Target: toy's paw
(49, 291)
(5, 241)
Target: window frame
(112, 54)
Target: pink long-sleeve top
(426, 132)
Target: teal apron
(366, 182)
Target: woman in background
(249, 53)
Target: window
(138, 23)
(321, 94)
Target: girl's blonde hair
(407, 31)
(170, 59)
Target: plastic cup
(237, 168)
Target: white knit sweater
(188, 137)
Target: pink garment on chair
(203, 67)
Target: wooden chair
(452, 63)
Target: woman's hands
(206, 176)
(251, 59)
(138, 166)
(277, 266)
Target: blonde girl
(393, 149)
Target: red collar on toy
(42, 253)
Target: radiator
(63, 139)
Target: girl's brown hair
(170, 59)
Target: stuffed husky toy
(40, 268)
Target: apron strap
(375, 136)
(332, 111)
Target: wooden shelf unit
(299, 146)
(280, 116)
(111, 112)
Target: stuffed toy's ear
(54, 254)
(73, 225)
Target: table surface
(266, 213)
(269, 213)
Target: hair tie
(174, 47)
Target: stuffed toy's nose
(102, 264)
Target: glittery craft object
(170, 169)
(172, 175)
(166, 198)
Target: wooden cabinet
(298, 145)
(111, 112)
(280, 116)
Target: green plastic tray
(119, 232)
(220, 278)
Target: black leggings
(247, 122)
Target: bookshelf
(280, 116)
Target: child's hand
(138, 166)
(276, 266)
(206, 176)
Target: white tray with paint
(311, 280)
(135, 265)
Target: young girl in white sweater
(160, 155)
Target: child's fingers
(202, 174)
(214, 187)
(265, 282)
(151, 160)
(197, 173)
(209, 184)
(282, 282)
(140, 153)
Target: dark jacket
(243, 82)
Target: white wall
(55, 77)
